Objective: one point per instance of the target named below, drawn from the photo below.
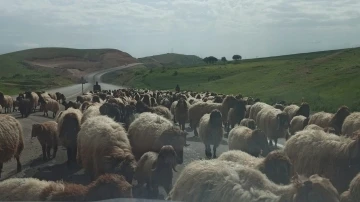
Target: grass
(171, 60)
(326, 79)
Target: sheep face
(339, 117)
(215, 118)
(259, 143)
(167, 157)
(277, 167)
(36, 128)
(282, 121)
(316, 188)
(304, 110)
(182, 104)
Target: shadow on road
(197, 139)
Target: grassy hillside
(171, 60)
(325, 79)
(43, 68)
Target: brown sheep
(6, 102)
(47, 135)
(248, 123)
(51, 105)
(156, 169)
(182, 112)
(236, 114)
(211, 131)
(326, 120)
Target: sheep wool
(51, 105)
(351, 124)
(47, 134)
(352, 195)
(298, 123)
(91, 111)
(211, 131)
(256, 108)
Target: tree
(210, 60)
(223, 59)
(236, 57)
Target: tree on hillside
(210, 60)
(236, 57)
(224, 60)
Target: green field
(171, 60)
(325, 79)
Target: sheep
(236, 114)
(256, 108)
(34, 98)
(182, 112)
(141, 107)
(111, 110)
(84, 106)
(103, 147)
(248, 123)
(253, 142)
(216, 180)
(25, 106)
(211, 131)
(334, 157)
(47, 134)
(276, 165)
(172, 110)
(51, 105)
(83, 98)
(351, 124)
(279, 106)
(146, 99)
(294, 110)
(60, 96)
(335, 121)
(197, 110)
(53, 96)
(156, 170)
(273, 122)
(11, 140)
(153, 102)
(297, 123)
(352, 195)
(149, 132)
(69, 104)
(96, 98)
(31, 189)
(91, 111)
(6, 102)
(68, 127)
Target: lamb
(103, 147)
(11, 140)
(25, 106)
(236, 114)
(298, 123)
(68, 127)
(202, 180)
(91, 111)
(352, 195)
(149, 132)
(334, 157)
(273, 122)
(276, 166)
(335, 121)
(156, 170)
(351, 124)
(182, 112)
(197, 110)
(211, 131)
(248, 123)
(107, 186)
(294, 110)
(51, 105)
(253, 142)
(47, 134)
(141, 107)
(6, 102)
(256, 108)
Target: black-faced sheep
(273, 122)
(141, 107)
(72, 104)
(216, 180)
(11, 140)
(25, 106)
(297, 123)
(294, 110)
(149, 132)
(334, 157)
(103, 147)
(111, 110)
(6, 102)
(196, 111)
(68, 127)
(107, 186)
(248, 123)
(326, 120)
(211, 131)
(156, 169)
(276, 165)
(60, 96)
(146, 100)
(352, 195)
(253, 142)
(47, 134)
(351, 124)
(51, 105)
(182, 112)
(236, 114)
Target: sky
(250, 28)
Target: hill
(171, 60)
(326, 79)
(51, 67)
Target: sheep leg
(54, 114)
(214, 151)
(270, 142)
(1, 167)
(18, 167)
(276, 142)
(208, 151)
(48, 148)
(69, 155)
(195, 132)
(43, 147)
(55, 150)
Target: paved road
(55, 169)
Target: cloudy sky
(251, 28)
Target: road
(56, 169)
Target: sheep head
(339, 117)
(215, 118)
(142, 107)
(182, 104)
(167, 157)
(277, 167)
(120, 164)
(304, 110)
(282, 121)
(229, 102)
(259, 143)
(2, 96)
(251, 124)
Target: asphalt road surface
(56, 169)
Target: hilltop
(326, 79)
(171, 60)
(51, 67)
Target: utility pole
(82, 85)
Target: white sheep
(294, 110)
(298, 123)
(256, 108)
(91, 111)
(250, 123)
(351, 124)
(51, 105)
(211, 131)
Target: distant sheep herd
(128, 138)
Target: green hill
(325, 79)
(42, 68)
(171, 60)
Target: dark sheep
(72, 104)
(25, 106)
(111, 110)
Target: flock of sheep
(126, 139)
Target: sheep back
(197, 110)
(11, 138)
(52, 105)
(211, 133)
(256, 108)
(298, 123)
(351, 124)
(291, 110)
(250, 123)
(46, 133)
(273, 122)
(91, 111)
(68, 127)
(352, 195)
